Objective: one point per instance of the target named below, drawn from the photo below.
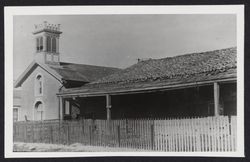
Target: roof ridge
(89, 65)
(188, 54)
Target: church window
(54, 45)
(48, 44)
(39, 44)
(39, 85)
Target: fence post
(68, 137)
(152, 136)
(32, 131)
(126, 122)
(119, 136)
(14, 132)
(83, 132)
(59, 131)
(40, 133)
(51, 134)
(90, 133)
(197, 134)
(25, 134)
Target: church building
(47, 75)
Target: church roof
(169, 72)
(68, 72)
(82, 72)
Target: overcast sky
(119, 40)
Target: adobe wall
(48, 98)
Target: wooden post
(90, 134)
(51, 134)
(32, 131)
(59, 131)
(119, 135)
(216, 99)
(60, 108)
(108, 106)
(25, 134)
(152, 136)
(68, 134)
(40, 133)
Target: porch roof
(173, 72)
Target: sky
(119, 40)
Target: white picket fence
(206, 134)
(212, 134)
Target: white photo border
(10, 12)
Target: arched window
(48, 44)
(54, 45)
(41, 44)
(37, 44)
(38, 111)
(39, 85)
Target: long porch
(211, 99)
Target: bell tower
(47, 43)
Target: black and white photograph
(123, 81)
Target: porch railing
(206, 134)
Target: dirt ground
(77, 147)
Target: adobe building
(46, 76)
(192, 85)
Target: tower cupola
(47, 42)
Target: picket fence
(208, 134)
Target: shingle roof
(171, 67)
(82, 72)
(195, 67)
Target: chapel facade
(47, 75)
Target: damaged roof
(152, 73)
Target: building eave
(145, 90)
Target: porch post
(63, 108)
(216, 99)
(60, 105)
(108, 107)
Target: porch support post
(60, 105)
(108, 107)
(63, 108)
(216, 99)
